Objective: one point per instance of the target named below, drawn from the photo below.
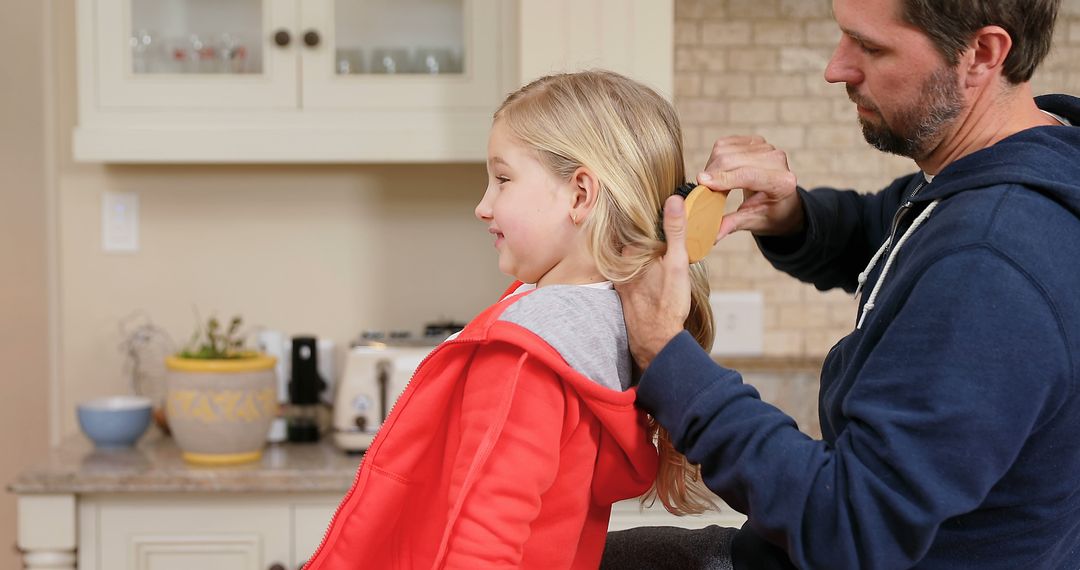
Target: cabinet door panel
(144, 534)
(452, 65)
(205, 552)
(191, 54)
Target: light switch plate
(120, 222)
(738, 317)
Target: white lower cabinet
(252, 532)
(205, 532)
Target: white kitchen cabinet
(251, 531)
(181, 532)
(236, 531)
(311, 81)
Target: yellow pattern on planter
(226, 403)
(202, 409)
(268, 401)
(179, 404)
(247, 410)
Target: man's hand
(770, 206)
(656, 304)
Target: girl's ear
(585, 188)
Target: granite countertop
(154, 465)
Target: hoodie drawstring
(869, 305)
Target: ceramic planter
(219, 411)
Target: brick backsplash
(755, 67)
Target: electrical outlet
(120, 222)
(738, 317)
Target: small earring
(573, 218)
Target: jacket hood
(1044, 159)
(626, 461)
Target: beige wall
(24, 375)
(755, 66)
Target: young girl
(514, 438)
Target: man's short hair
(951, 24)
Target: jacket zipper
(904, 208)
(888, 243)
(356, 476)
(901, 212)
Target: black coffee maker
(305, 385)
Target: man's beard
(918, 127)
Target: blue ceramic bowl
(116, 421)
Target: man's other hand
(770, 206)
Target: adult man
(951, 414)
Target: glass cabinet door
(401, 53)
(197, 53)
(196, 37)
(404, 37)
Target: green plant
(213, 342)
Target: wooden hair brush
(704, 212)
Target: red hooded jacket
(497, 455)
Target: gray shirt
(584, 324)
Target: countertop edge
(154, 466)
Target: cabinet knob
(277, 566)
(311, 38)
(282, 38)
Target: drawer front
(179, 551)
(138, 534)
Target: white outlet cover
(738, 317)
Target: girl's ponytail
(678, 482)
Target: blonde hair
(630, 138)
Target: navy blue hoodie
(951, 418)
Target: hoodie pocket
(371, 534)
